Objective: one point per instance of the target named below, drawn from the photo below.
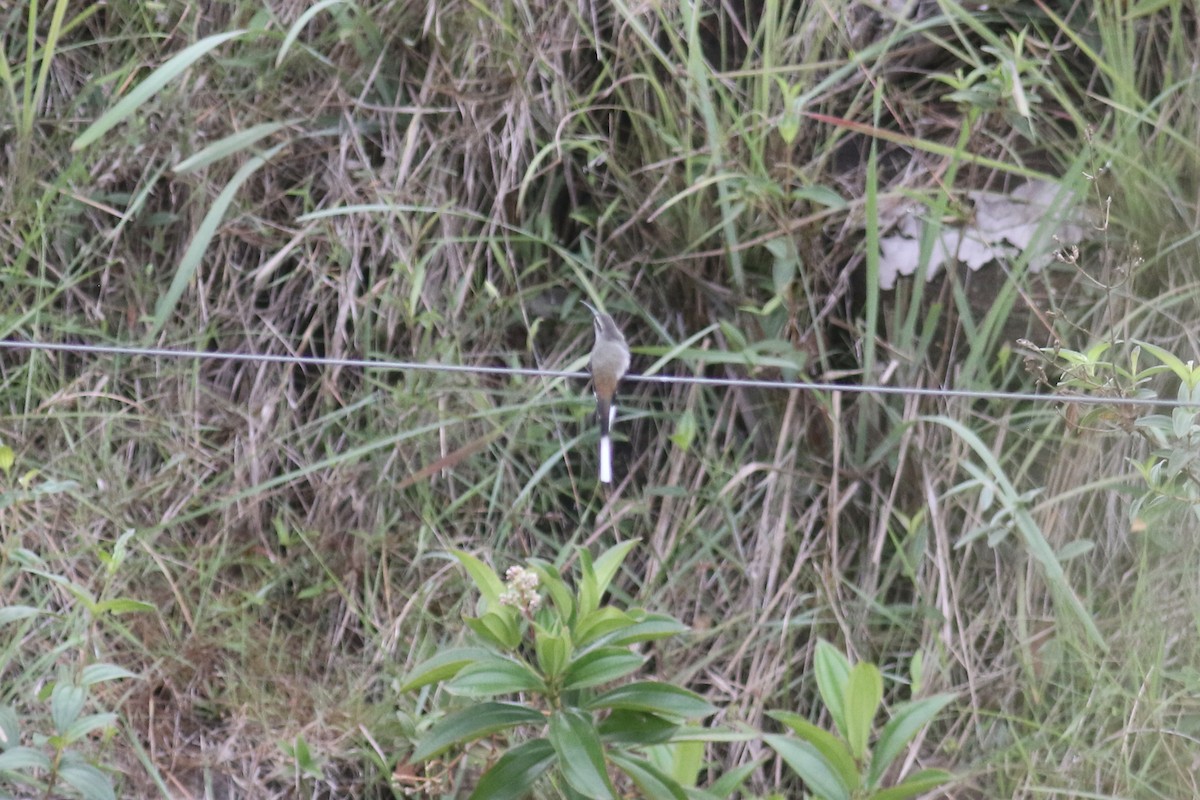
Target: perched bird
(609, 361)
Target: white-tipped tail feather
(605, 459)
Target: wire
(433, 366)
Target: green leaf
(916, 673)
(298, 26)
(1184, 372)
(1031, 535)
(123, 605)
(485, 578)
(501, 627)
(152, 85)
(655, 698)
(602, 665)
(470, 724)
(580, 756)
(513, 776)
(189, 262)
(915, 784)
(553, 584)
(15, 613)
(553, 648)
(833, 672)
(98, 673)
(230, 145)
(907, 719)
(495, 675)
(864, 693)
(651, 628)
(589, 588)
(832, 749)
(683, 760)
(685, 430)
(820, 195)
(636, 727)
(609, 562)
(85, 725)
(10, 728)
(20, 759)
(652, 782)
(601, 622)
(804, 759)
(66, 702)
(443, 666)
(730, 782)
(87, 780)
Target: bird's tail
(607, 413)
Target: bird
(608, 363)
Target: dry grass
(486, 166)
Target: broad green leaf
(553, 584)
(443, 666)
(66, 703)
(832, 749)
(485, 578)
(85, 725)
(152, 85)
(513, 776)
(10, 727)
(580, 756)
(864, 693)
(636, 727)
(652, 782)
(685, 430)
(609, 562)
(820, 195)
(494, 675)
(123, 605)
(682, 760)
(470, 724)
(1185, 372)
(20, 759)
(650, 628)
(599, 623)
(553, 648)
(87, 780)
(602, 665)
(804, 759)
(501, 627)
(589, 588)
(655, 698)
(15, 613)
(907, 719)
(833, 672)
(915, 784)
(98, 673)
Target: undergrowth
(445, 183)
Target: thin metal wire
(531, 372)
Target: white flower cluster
(522, 589)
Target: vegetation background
(445, 182)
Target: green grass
(445, 182)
